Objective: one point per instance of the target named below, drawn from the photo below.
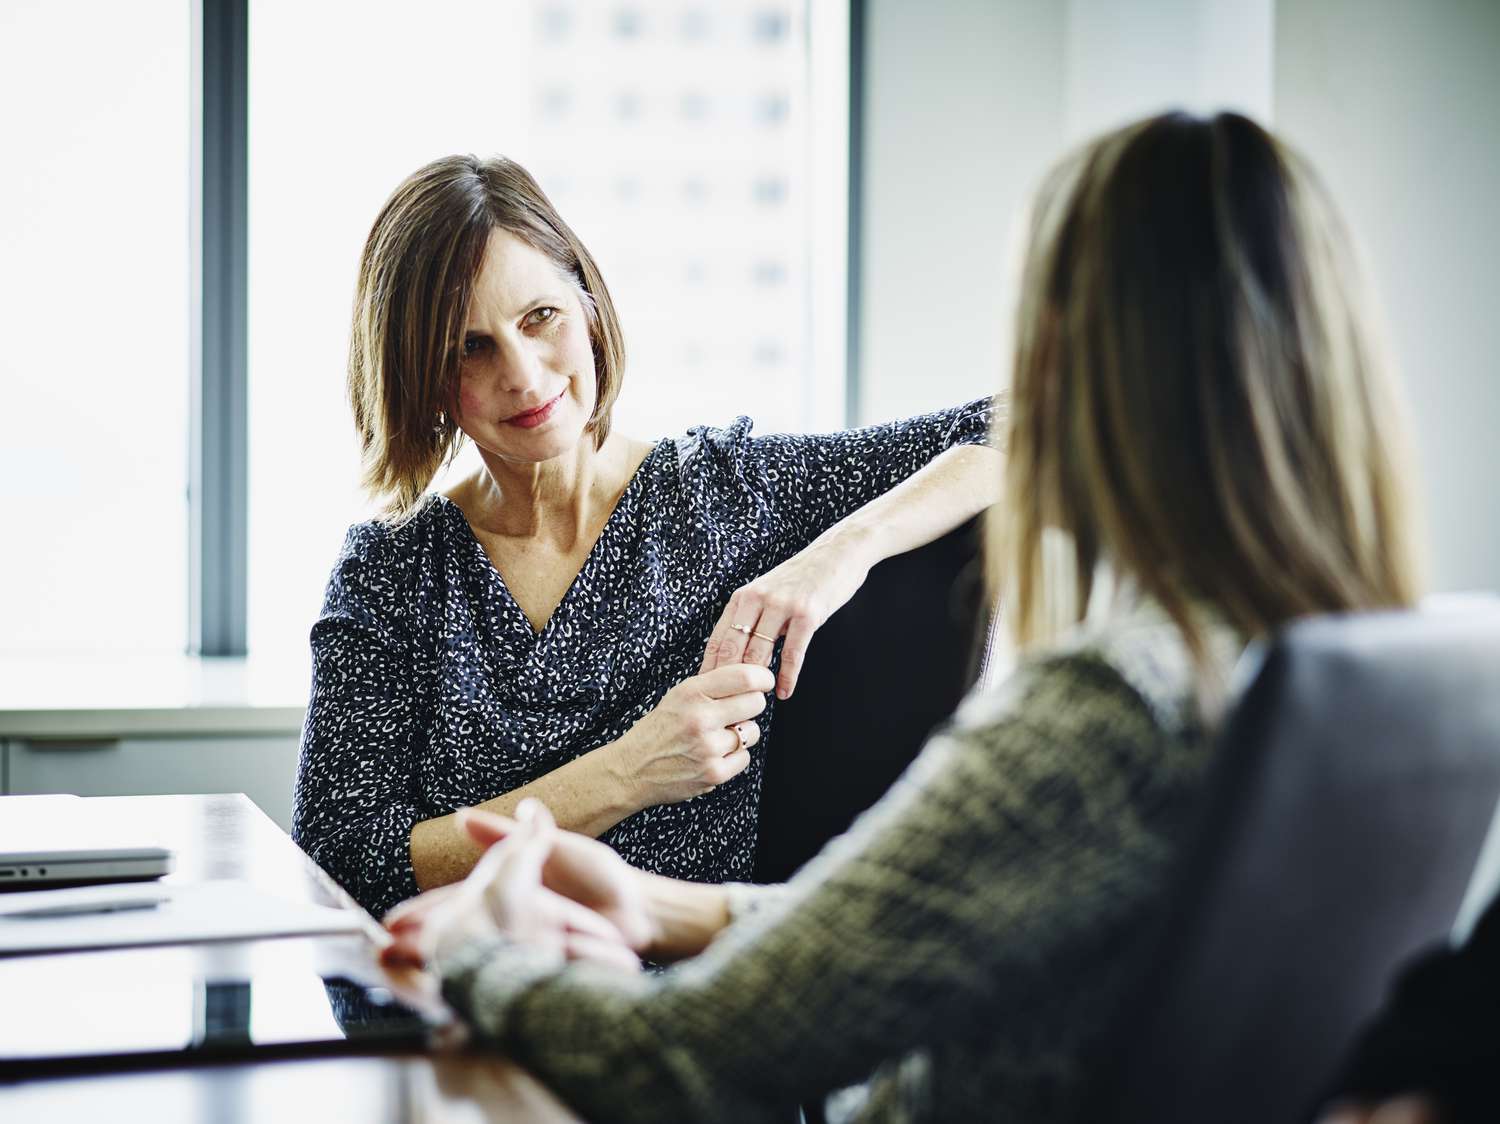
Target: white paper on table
(200, 911)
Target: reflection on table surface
(217, 1000)
(439, 1090)
(227, 837)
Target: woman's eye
(543, 315)
(473, 345)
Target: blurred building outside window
(699, 150)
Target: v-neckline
(535, 635)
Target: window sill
(58, 697)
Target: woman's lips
(533, 418)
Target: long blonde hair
(1197, 397)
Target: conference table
(227, 837)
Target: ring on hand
(739, 735)
(748, 631)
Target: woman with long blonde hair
(1202, 446)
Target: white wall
(1125, 60)
(963, 110)
(1399, 105)
(967, 103)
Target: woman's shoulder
(395, 552)
(1127, 665)
(384, 565)
(388, 541)
(1055, 696)
(713, 444)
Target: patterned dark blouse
(432, 692)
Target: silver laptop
(58, 840)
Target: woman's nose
(521, 367)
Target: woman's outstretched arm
(794, 599)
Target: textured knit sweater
(954, 956)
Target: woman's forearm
(956, 485)
(589, 795)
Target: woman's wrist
(620, 774)
(855, 541)
(685, 916)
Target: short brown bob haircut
(416, 279)
(1199, 398)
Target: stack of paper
(128, 914)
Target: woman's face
(526, 384)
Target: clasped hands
(553, 890)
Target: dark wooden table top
(228, 837)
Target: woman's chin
(536, 445)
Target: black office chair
(880, 674)
(1355, 784)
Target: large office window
(678, 139)
(699, 149)
(94, 286)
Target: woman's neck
(563, 499)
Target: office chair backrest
(1353, 789)
(880, 674)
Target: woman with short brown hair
(587, 618)
(1203, 445)
(416, 284)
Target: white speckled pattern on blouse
(432, 692)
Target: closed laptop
(63, 840)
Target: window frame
(218, 447)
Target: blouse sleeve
(814, 480)
(354, 804)
(1005, 845)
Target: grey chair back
(1354, 787)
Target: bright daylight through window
(700, 149)
(685, 143)
(94, 283)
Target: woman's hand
(586, 871)
(697, 737)
(506, 895)
(791, 601)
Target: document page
(124, 915)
